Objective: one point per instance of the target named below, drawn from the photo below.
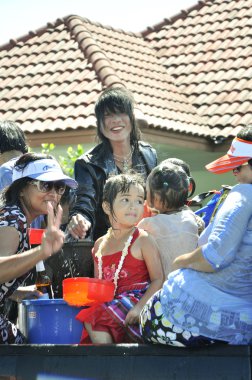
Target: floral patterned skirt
(156, 328)
(110, 316)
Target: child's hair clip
(165, 184)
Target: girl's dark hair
(186, 168)
(171, 183)
(10, 196)
(116, 100)
(120, 183)
(12, 137)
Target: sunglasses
(46, 187)
(239, 168)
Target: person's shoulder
(148, 152)
(13, 215)
(242, 188)
(8, 165)
(241, 191)
(92, 154)
(145, 145)
(144, 236)
(98, 242)
(145, 222)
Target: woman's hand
(78, 226)
(132, 318)
(193, 260)
(53, 237)
(25, 292)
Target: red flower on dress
(109, 273)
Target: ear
(106, 208)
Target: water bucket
(51, 322)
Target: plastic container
(84, 291)
(50, 322)
(35, 235)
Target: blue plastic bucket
(51, 322)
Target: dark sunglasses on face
(239, 168)
(46, 187)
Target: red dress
(132, 283)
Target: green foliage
(66, 162)
(47, 148)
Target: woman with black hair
(119, 151)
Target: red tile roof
(190, 74)
(50, 79)
(208, 53)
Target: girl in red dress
(129, 257)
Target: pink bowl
(84, 291)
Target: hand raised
(53, 238)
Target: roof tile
(190, 74)
(209, 55)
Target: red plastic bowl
(84, 291)
(35, 235)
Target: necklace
(98, 254)
(125, 161)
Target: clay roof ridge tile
(92, 51)
(96, 23)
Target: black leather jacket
(92, 170)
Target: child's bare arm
(153, 262)
(95, 249)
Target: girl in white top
(175, 228)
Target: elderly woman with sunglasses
(37, 187)
(208, 296)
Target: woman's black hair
(115, 100)
(12, 137)
(170, 183)
(120, 183)
(10, 196)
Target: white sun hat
(239, 153)
(44, 170)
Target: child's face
(129, 207)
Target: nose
(116, 116)
(132, 205)
(53, 193)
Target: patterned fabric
(132, 284)
(217, 305)
(110, 316)
(156, 328)
(12, 217)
